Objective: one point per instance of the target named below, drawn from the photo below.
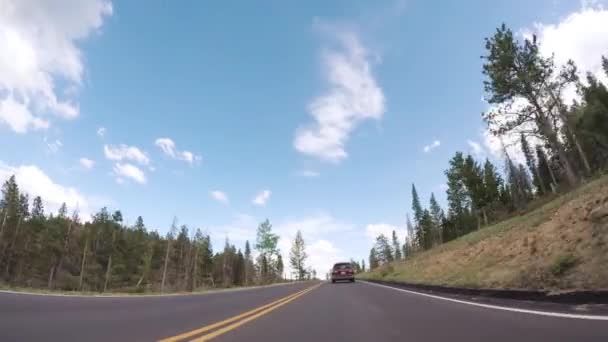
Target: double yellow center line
(236, 321)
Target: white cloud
(219, 196)
(375, 229)
(168, 147)
(442, 187)
(124, 152)
(309, 173)
(18, 117)
(261, 198)
(353, 96)
(35, 182)
(476, 148)
(101, 132)
(322, 256)
(432, 146)
(39, 57)
(581, 36)
(86, 163)
(242, 227)
(129, 171)
(313, 226)
(53, 146)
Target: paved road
(327, 312)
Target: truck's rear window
(342, 266)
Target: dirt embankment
(562, 245)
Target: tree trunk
(108, 272)
(485, 216)
(562, 114)
(246, 271)
(3, 223)
(11, 251)
(195, 270)
(563, 157)
(85, 251)
(147, 265)
(21, 261)
(51, 277)
(162, 284)
(582, 155)
(66, 243)
(543, 189)
(187, 265)
(553, 179)
(549, 133)
(109, 268)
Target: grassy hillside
(559, 246)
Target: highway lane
(65, 318)
(300, 312)
(363, 312)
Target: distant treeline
(563, 145)
(58, 251)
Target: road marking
(231, 319)
(496, 307)
(233, 326)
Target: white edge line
(496, 307)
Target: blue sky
(317, 115)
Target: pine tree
(227, 258)
(426, 229)
(396, 247)
(239, 269)
(9, 227)
(249, 271)
(408, 246)
(472, 177)
(492, 183)
(591, 121)
(264, 268)
(525, 184)
(279, 267)
(517, 70)
(297, 256)
(437, 218)
(384, 253)
(519, 183)
(169, 238)
(459, 219)
(266, 244)
(418, 216)
(373, 259)
(505, 197)
(63, 211)
(38, 209)
(532, 165)
(363, 265)
(416, 207)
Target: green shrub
(562, 264)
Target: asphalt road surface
(299, 312)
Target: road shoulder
(594, 311)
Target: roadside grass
(25, 290)
(552, 246)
